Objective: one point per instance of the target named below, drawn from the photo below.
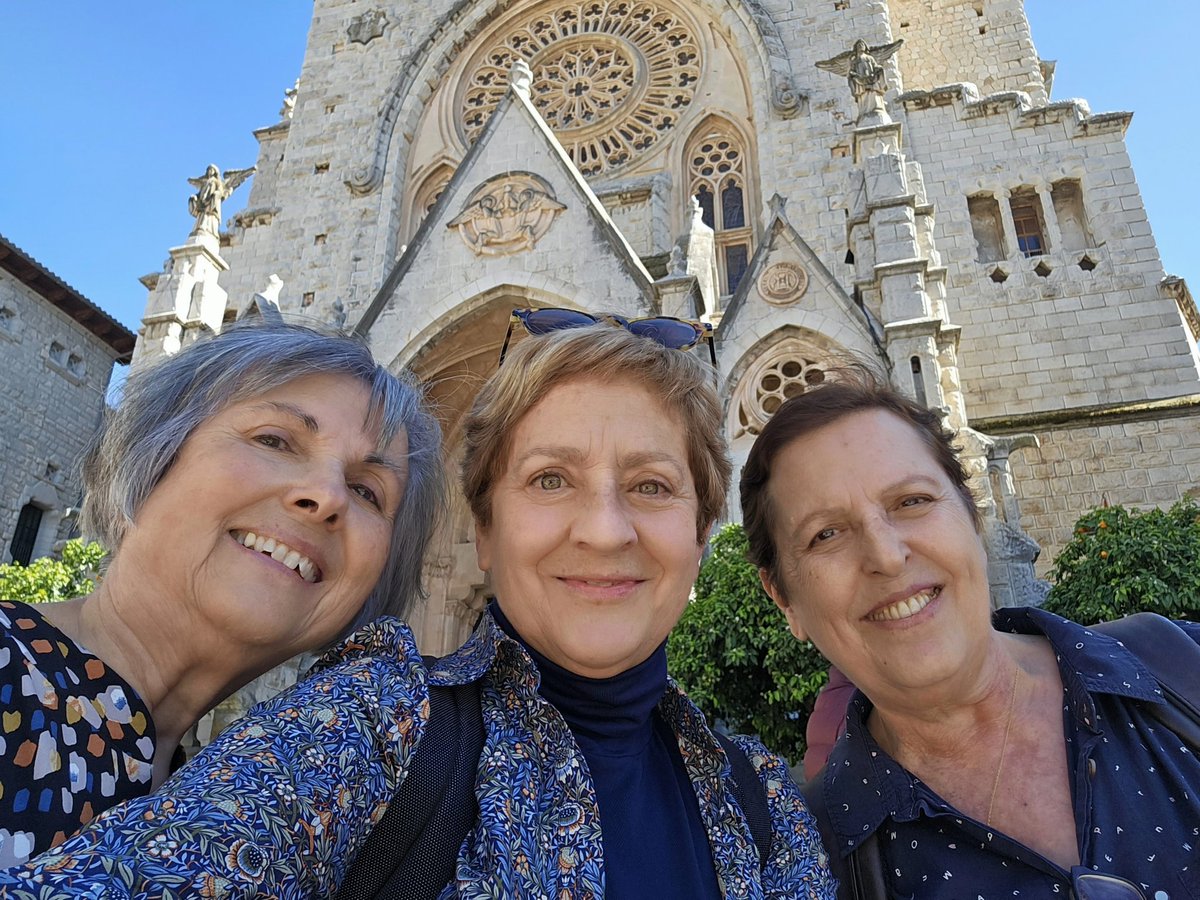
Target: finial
(520, 77)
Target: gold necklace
(1012, 702)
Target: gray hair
(162, 405)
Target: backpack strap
(1173, 658)
(412, 853)
(751, 796)
(860, 875)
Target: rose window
(774, 382)
(581, 84)
(610, 78)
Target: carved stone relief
(783, 283)
(365, 28)
(507, 214)
(609, 78)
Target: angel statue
(863, 71)
(211, 188)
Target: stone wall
(984, 42)
(54, 374)
(1069, 327)
(1139, 464)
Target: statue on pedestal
(862, 67)
(213, 187)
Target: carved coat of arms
(507, 214)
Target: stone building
(57, 350)
(917, 199)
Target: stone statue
(213, 187)
(864, 73)
(289, 101)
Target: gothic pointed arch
(719, 162)
(453, 360)
(784, 365)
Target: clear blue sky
(108, 108)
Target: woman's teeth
(278, 551)
(907, 608)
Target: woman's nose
(603, 521)
(885, 550)
(321, 493)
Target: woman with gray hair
(260, 492)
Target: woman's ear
(785, 607)
(483, 546)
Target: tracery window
(717, 178)
(776, 378)
(611, 77)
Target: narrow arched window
(918, 381)
(716, 160)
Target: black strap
(413, 851)
(860, 875)
(1173, 658)
(751, 796)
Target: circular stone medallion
(783, 283)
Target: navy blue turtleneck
(655, 845)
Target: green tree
(47, 579)
(734, 655)
(1122, 561)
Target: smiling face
(273, 524)
(592, 544)
(881, 565)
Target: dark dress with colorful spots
(75, 738)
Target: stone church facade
(922, 204)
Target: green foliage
(732, 652)
(47, 579)
(1123, 561)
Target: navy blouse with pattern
(1135, 788)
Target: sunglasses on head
(668, 331)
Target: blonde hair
(602, 352)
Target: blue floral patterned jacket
(280, 803)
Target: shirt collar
(472, 660)
(869, 785)
(1091, 662)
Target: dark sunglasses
(1094, 886)
(672, 333)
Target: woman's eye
(549, 481)
(274, 441)
(823, 535)
(367, 494)
(651, 488)
(914, 501)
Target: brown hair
(850, 389)
(537, 365)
